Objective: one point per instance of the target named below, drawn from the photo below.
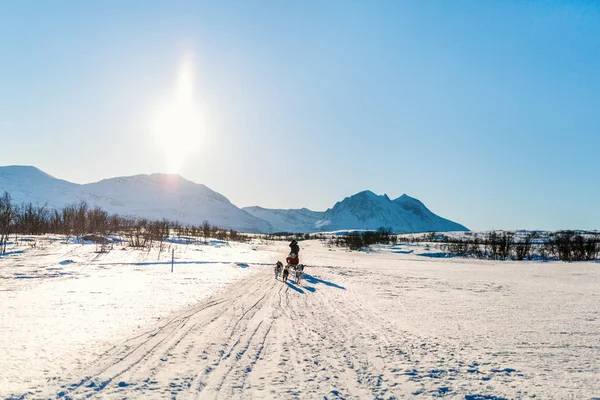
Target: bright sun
(178, 125)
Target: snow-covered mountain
(172, 197)
(29, 184)
(294, 220)
(153, 196)
(362, 211)
(366, 210)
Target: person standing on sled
(294, 250)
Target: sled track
(263, 338)
(129, 354)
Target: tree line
(495, 245)
(84, 222)
(510, 245)
(361, 240)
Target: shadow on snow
(298, 288)
(294, 287)
(12, 252)
(437, 255)
(311, 279)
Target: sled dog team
(292, 264)
(284, 271)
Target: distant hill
(362, 211)
(366, 210)
(172, 197)
(294, 220)
(153, 196)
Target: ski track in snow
(366, 325)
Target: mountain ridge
(173, 197)
(301, 220)
(155, 196)
(369, 211)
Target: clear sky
(487, 111)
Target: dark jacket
(294, 248)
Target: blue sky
(487, 111)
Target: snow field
(62, 305)
(392, 322)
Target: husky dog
(278, 268)
(299, 273)
(286, 272)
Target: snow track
(263, 338)
(362, 325)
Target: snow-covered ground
(393, 322)
(62, 305)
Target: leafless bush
(7, 214)
(523, 249)
(206, 230)
(569, 246)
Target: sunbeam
(178, 125)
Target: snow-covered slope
(172, 197)
(366, 210)
(294, 220)
(154, 196)
(29, 184)
(432, 221)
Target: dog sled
(292, 260)
(292, 266)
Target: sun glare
(178, 124)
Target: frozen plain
(393, 322)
